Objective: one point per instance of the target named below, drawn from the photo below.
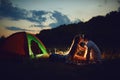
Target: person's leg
(98, 57)
(88, 58)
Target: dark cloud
(119, 5)
(39, 25)
(58, 16)
(13, 28)
(8, 10)
(61, 19)
(36, 16)
(118, 1)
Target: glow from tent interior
(41, 46)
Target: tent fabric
(16, 44)
(38, 48)
(24, 44)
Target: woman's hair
(77, 39)
(82, 44)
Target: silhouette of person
(75, 48)
(94, 49)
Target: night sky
(35, 15)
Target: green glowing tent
(24, 44)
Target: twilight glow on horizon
(35, 15)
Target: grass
(47, 70)
(27, 69)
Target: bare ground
(46, 70)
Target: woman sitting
(78, 50)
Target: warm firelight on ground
(110, 56)
(105, 55)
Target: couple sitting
(84, 50)
(81, 50)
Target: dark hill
(104, 30)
